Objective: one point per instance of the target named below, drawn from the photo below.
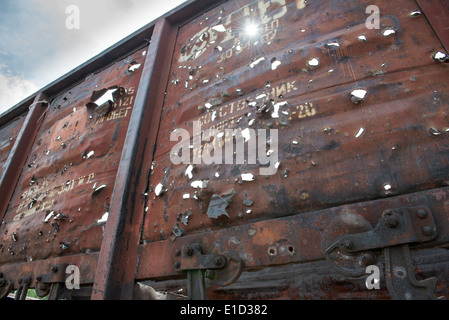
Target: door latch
(219, 268)
(51, 283)
(396, 229)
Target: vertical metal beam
(20, 151)
(117, 263)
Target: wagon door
(59, 206)
(349, 111)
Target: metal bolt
(218, 261)
(54, 269)
(177, 264)
(348, 244)
(177, 252)
(427, 230)
(188, 251)
(391, 221)
(421, 213)
(368, 258)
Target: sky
(41, 40)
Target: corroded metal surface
(8, 135)
(60, 205)
(361, 118)
(86, 263)
(313, 281)
(298, 238)
(334, 147)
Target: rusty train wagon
(344, 196)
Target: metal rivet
(427, 230)
(54, 269)
(368, 258)
(177, 264)
(177, 252)
(188, 251)
(348, 244)
(218, 261)
(421, 213)
(391, 221)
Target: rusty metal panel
(8, 135)
(361, 117)
(354, 121)
(61, 202)
(298, 238)
(315, 280)
(308, 61)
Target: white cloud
(13, 88)
(55, 50)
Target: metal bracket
(397, 228)
(22, 290)
(194, 259)
(219, 268)
(401, 281)
(50, 284)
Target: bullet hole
(103, 219)
(159, 190)
(362, 38)
(275, 63)
(440, 56)
(134, 66)
(388, 32)
(360, 133)
(358, 95)
(188, 173)
(415, 13)
(199, 184)
(256, 62)
(99, 189)
(219, 28)
(247, 177)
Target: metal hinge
(219, 268)
(24, 285)
(397, 228)
(51, 283)
(7, 286)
